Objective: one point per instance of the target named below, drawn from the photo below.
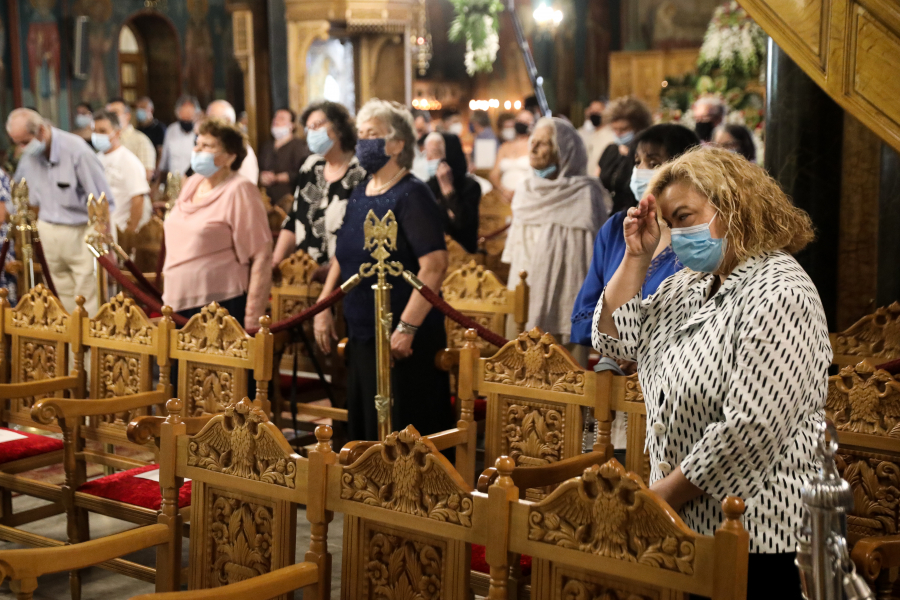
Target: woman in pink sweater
(218, 243)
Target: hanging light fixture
(420, 40)
(546, 17)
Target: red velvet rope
(296, 320)
(493, 234)
(138, 294)
(39, 251)
(892, 366)
(3, 252)
(139, 277)
(161, 257)
(450, 312)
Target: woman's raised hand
(641, 228)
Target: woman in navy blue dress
(421, 391)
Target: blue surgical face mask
(433, 167)
(142, 115)
(371, 154)
(83, 121)
(640, 179)
(204, 163)
(318, 141)
(697, 249)
(100, 141)
(625, 139)
(34, 148)
(546, 172)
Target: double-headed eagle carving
(863, 399)
(534, 360)
(609, 512)
(407, 474)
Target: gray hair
(225, 110)
(399, 122)
(714, 102)
(33, 120)
(148, 100)
(434, 136)
(549, 123)
(187, 99)
(107, 115)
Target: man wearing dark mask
(594, 133)
(709, 113)
(180, 137)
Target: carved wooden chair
(875, 337)
(296, 292)
(605, 534)
(864, 406)
(41, 335)
(627, 398)
(409, 518)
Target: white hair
(436, 137)
(33, 120)
(551, 125)
(399, 122)
(148, 100)
(224, 109)
(713, 101)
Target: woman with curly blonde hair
(732, 352)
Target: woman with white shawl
(557, 213)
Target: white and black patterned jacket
(735, 388)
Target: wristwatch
(406, 328)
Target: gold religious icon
(173, 190)
(98, 238)
(24, 221)
(380, 238)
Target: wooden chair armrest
(873, 554)
(352, 451)
(144, 429)
(532, 477)
(448, 438)
(278, 582)
(446, 359)
(46, 410)
(36, 388)
(34, 562)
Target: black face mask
(596, 120)
(704, 130)
(521, 128)
(186, 126)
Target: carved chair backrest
(41, 336)
(535, 393)
(246, 485)
(215, 359)
(875, 336)
(605, 534)
(481, 296)
(864, 405)
(627, 398)
(409, 519)
(124, 344)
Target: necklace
(390, 182)
(338, 169)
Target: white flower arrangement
(476, 21)
(733, 44)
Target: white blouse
(735, 388)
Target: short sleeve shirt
(420, 232)
(127, 179)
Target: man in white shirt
(124, 172)
(595, 134)
(133, 140)
(180, 138)
(222, 109)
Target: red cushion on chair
(479, 411)
(304, 384)
(125, 487)
(479, 564)
(32, 445)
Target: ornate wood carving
(244, 444)
(399, 568)
(119, 375)
(40, 309)
(581, 589)
(533, 433)
(863, 399)
(214, 331)
(298, 269)
(875, 481)
(534, 360)
(38, 361)
(456, 333)
(240, 536)
(610, 512)
(121, 319)
(473, 283)
(633, 391)
(407, 474)
(211, 389)
(877, 334)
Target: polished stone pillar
(803, 152)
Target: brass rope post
(24, 222)
(99, 239)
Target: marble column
(804, 130)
